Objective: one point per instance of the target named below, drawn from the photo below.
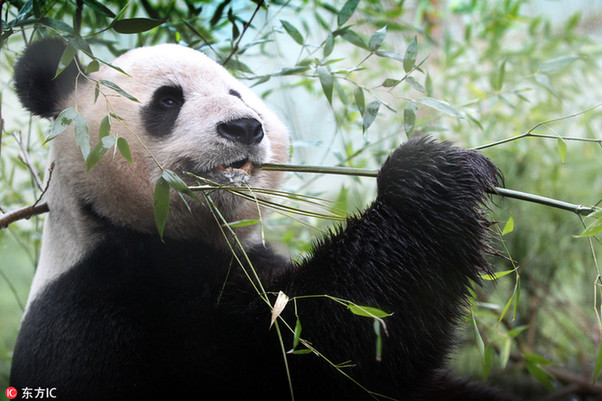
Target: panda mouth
(244, 166)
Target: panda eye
(168, 102)
(168, 97)
(161, 113)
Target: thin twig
(27, 161)
(246, 26)
(22, 214)
(507, 193)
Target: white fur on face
(124, 193)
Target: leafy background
(352, 80)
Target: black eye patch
(161, 113)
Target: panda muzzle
(244, 165)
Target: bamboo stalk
(504, 192)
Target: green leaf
(104, 144)
(495, 276)
(97, 6)
(353, 38)
(377, 39)
(327, 82)
(124, 149)
(389, 54)
(557, 64)
(292, 31)
(328, 45)
(533, 363)
(66, 58)
(416, 85)
(105, 127)
(297, 335)
(135, 25)
(367, 311)
(409, 117)
(347, 11)
(178, 184)
(379, 339)
(360, 102)
(244, 223)
(409, 59)
(161, 204)
(82, 135)
(117, 89)
(595, 227)
(509, 226)
(93, 66)
(497, 78)
(562, 149)
(370, 114)
(60, 124)
(441, 106)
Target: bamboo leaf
(409, 59)
(409, 117)
(328, 45)
(104, 144)
(377, 39)
(279, 306)
(244, 223)
(347, 11)
(562, 149)
(105, 126)
(67, 57)
(292, 31)
(509, 226)
(135, 25)
(82, 134)
(595, 227)
(124, 149)
(557, 64)
(60, 124)
(161, 204)
(327, 82)
(367, 311)
(441, 106)
(360, 101)
(116, 88)
(370, 114)
(353, 38)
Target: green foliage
(498, 76)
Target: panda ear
(35, 83)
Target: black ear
(35, 84)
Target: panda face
(191, 116)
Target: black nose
(247, 131)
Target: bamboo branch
(506, 193)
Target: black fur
(139, 318)
(35, 84)
(161, 113)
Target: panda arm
(412, 253)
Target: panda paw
(425, 174)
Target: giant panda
(117, 311)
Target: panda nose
(247, 131)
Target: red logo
(11, 393)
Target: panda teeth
(244, 165)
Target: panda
(117, 311)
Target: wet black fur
(138, 317)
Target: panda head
(191, 115)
